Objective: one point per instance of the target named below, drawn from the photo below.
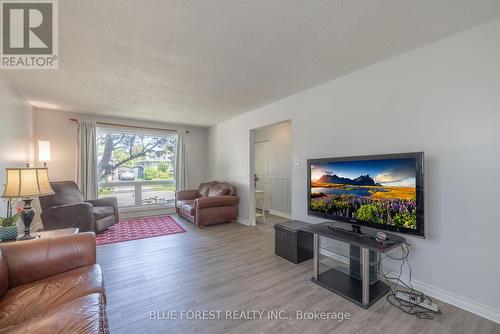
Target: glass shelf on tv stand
(337, 255)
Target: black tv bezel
(419, 183)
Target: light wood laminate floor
(233, 267)
(268, 225)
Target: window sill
(145, 208)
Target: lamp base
(27, 216)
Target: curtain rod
(131, 126)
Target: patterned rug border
(145, 237)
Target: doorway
(271, 174)
(262, 171)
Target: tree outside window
(124, 156)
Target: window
(136, 168)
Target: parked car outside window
(126, 175)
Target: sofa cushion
(230, 187)
(187, 208)
(181, 203)
(101, 212)
(85, 314)
(218, 189)
(205, 187)
(28, 300)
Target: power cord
(396, 284)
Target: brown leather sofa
(66, 208)
(52, 286)
(213, 202)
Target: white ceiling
(203, 61)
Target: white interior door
(262, 168)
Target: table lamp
(44, 152)
(26, 183)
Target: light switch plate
(297, 162)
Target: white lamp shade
(43, 151)
(27, 182)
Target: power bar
(415, 299)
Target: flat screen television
(380, 191)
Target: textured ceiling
(203, 61)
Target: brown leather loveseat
(51, 286)
(213, 202)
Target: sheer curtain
(181, 163)
(87, 159)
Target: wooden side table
(49, 234)
(56, 233)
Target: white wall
(56, 127)
(443, 99)
(16, 133)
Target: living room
(132, 154)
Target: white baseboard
(243, 221)
(281, 214)
(443, 295)
(455, 300)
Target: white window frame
(138, 185)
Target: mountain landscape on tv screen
(362, 180)
(374, 191)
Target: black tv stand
(355, 229)
(359, 292)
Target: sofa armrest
(184, 195)
(72, 215)
(33, 260)
(107, 201)
(216, 201)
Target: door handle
(255, 179)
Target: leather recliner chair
(66, 208)
(52, 285)
(213, 202)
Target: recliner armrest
(71, 215)
(184, 195)
(216, 201)
(107, 201)
(32, 260)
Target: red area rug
(139, 228)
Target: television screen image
(378, 191)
